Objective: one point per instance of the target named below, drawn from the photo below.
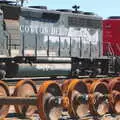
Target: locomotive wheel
(25, 88)
(4, 92)
(76, 91)
(98, 98)
(50, 109)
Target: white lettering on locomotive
(44, 29)
(61, 30)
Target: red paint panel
(111, 36)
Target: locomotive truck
(35, 41)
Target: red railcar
(111, 36)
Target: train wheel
(98, 98)
(48, 101)
(4, 92)
(77, 92)
(25, 88)
(115, 102)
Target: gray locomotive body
(52, 40)
(64, 34)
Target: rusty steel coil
(77, 92)
(4, 92)
(114, 84)
(98, 98)
(25, 88)
(49, 101)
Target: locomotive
(35, 41)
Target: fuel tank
(38, 69)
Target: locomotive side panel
(111, 37)
(3, 37)
(53, 33)
(10, 23)
(42, 31)
(89, 34)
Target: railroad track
(63, 99)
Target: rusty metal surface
(47, 90)
(3, 93)
(13, 116)
(74, 90)
(98, 100)
(25, 88)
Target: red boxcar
(111, 36)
